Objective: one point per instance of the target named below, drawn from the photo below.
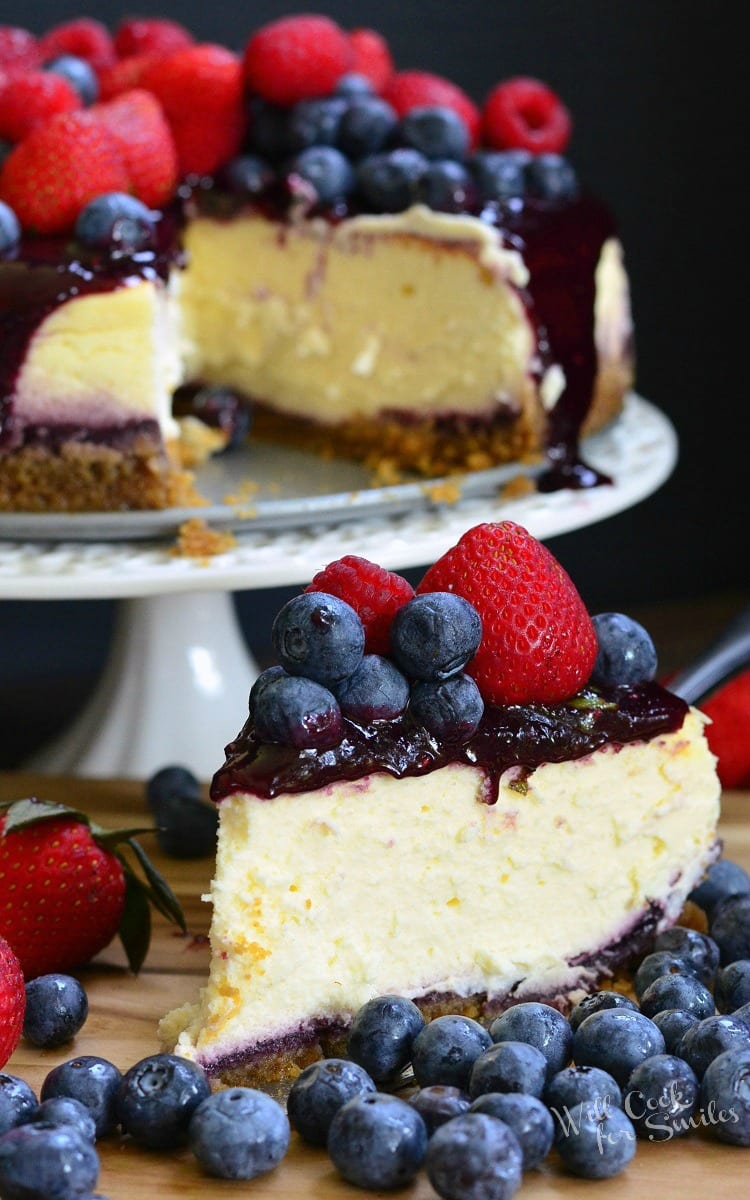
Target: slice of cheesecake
(529, 859)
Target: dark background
(657, 89)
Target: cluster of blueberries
(474, 1107)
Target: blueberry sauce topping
(521, 736)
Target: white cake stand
(175, 687)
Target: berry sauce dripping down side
(523, 736)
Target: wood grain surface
(124, 1011)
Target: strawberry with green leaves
(68, 886)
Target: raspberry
(28, 100)
(84, 38)
(18, 49)
(538, 642)
(296, 58)
(150, 35)
(371, 57)
(375, 594)
(125, 74)
(200, 90)
(138, 125)
(48, 178)
(728, 734)
(418, 89)
(524, 114)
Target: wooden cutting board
(124, 1012)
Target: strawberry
(150, 35)
(729, 733)
(296, 58)
(32, 98)
(374, 593)
(12, 1001)
(415, 89)
(137, 123)
(371, 57)
(19, 50)
(200, 90)
(538, 642)
(66, 888)
(524, 114)
(50, 176)
(124, 75)
(84, 38)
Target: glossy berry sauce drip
(523, 736)
(43, 274)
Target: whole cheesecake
(467, 862)
(430, 328)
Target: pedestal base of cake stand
(174, 687)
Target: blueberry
(157, 1098)
(450, 709)
(92, 1080)
(186, 825)
(678, 991)
(674, 1024)
(500, 174)
(598, 1002)
(115, 221)
(551, 177)
(269, 130)
(439, 1103)
(46, 1162)
(540, 1025)
(353, 85)
(597, 1147)
(220, 408)
(446, 186)
(435, 635)
(79, 73)
(509, 1067)
(446, 1050)
(661, 1097)
(376, 691)
(320, 1091)
(377, 1141)
(56, 1008)
(474, 1157)
(616, 1040)
(297, 712)
(382, 1035)
(173, 782)
(319, 636)
(64, 1110)
(722, 880)
(18, 1104)
(732, 989)
(697, 949)
(248, 175)
(527, 1117)
(435, 131)
(326, 170)
(730, 929)
(706, 1040)
(578, 1085)
(625, 652)
(389, 181)
(366, 127)
(315, 122)
(725, 1096)
(10, 228)
(657, 964)
(238, 1133)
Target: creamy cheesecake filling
(325, 898)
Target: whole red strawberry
(538, 642)
(374, 593)
(728, 734)
(525, 114)
(66, 889)
(137, 123)
(200, 90)
(50, 176)
(296, 58)
(12, 1001)
(31, 99)
(414, 89)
